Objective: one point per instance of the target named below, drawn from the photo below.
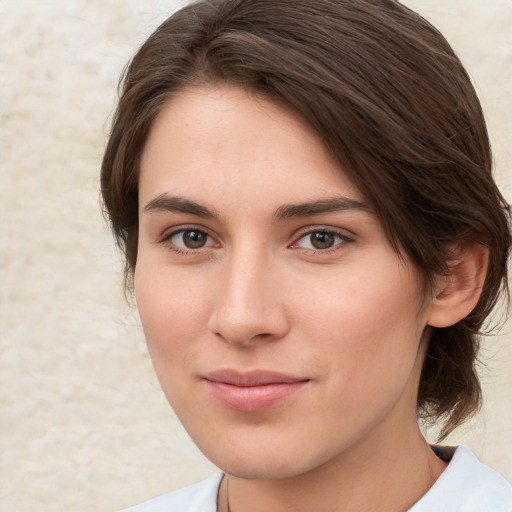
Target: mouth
(252, 391)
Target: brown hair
(390, 99)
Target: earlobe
(457, 294)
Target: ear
(457, 294)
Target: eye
(320, 239)
(190, 239)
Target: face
(284, 329)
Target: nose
(249, 303)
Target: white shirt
(466, 485)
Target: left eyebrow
(327, 205)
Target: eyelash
(340, 240)
(166, 239)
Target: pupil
(194, 239)
(322, 240)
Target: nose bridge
(247, 305)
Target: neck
(371, 477)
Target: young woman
(303, 194)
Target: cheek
(371, 326)
(173, 316)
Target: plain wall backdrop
(83, 423)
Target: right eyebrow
(167, 203)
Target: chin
(262, 461)
(267, 468)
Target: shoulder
(467, 485)
(198, 497)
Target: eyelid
(169, 233)
(321, 228)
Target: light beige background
(83, 423)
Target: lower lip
(253, 398)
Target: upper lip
(251, 378)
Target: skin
(350, 319)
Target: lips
(252, 391)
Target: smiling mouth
(252, 391)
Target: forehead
(226, 141)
